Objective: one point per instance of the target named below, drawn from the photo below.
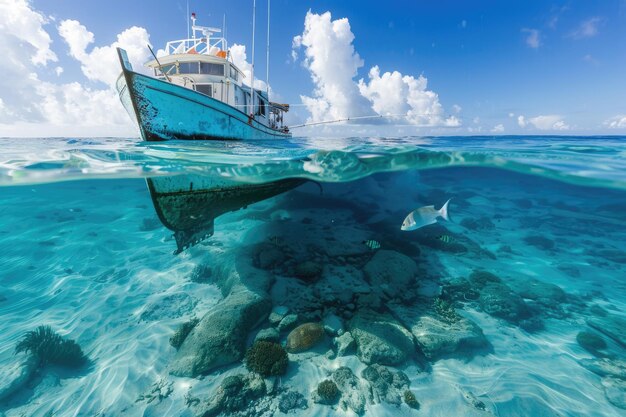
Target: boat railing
(202, 46)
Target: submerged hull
(166, 111)
(189, 204)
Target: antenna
(193, 25)
(224, 32)
(267, 58)
(187, 19)
(252, 70)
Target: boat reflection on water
(189, 204)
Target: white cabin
(204, 64)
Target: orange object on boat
(221, 54)
(192, 50)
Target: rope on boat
(346, 119)
(377, 116)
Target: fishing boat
(197, 92)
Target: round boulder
(391, 270)
(304, 337)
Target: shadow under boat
(189, 204)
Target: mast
(224, 32)
(187, 19)
(267, 58)
(252, 70)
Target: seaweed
(50, 348)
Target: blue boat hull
(166, 111)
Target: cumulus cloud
(101, 63)
(587, 28)
(617, 122)
(19, 22)
(37, 105)
(498, 128)
(333, 63)
(533, 39)
(544, 122)
(25, 47)
(240, 59)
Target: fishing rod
(346, 119)
(160, 66)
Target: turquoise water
(516, 307)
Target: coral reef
(387, 386)
(292, 400)
(326, 393)
(304, 337)
(352, 396)
(266, 358)
(50, 348)
(235, 394)
(410, 400)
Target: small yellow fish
(372, 244)
(445, 239)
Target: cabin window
(188, 68)
(167, 69)
(261, 108)
(233, 73)
(212, 69)
(206, 89)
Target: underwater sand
(91, 259)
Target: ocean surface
(170, 263)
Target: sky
(431, 68)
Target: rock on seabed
(380, 338)
(391, 270)
(437, 337)
(220, 336)
(304, 337)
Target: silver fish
(424, 216)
